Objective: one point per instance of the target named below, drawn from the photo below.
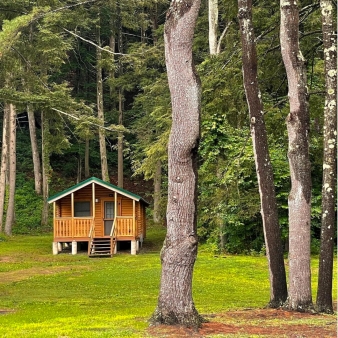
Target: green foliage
(48, 60)
(28, 206)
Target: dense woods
(85, 93)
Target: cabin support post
(134, 216)
(59, 246)
(115, 206)
(72, 211)
(141, 240)
(93, 205)
(133, 247)
(54, 218)
(55, 248)
(74, 248)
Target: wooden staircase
(101, 246)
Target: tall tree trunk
(299, 297)
(86, 159)
(120, 134)
(157, 192)
(4, 162)
(213, 25)
(32, 133)
(79, 169)
(120, 144)
(45, 167)
(269, 211)
(325, 274)
(158, 170)
(112, 71)
(154, 21)
(175, 304)
(35, 150)
(100, 112)
(10, 218)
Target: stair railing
(113, 237)
(91, 236)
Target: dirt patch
(258, 322)
(4, 312)
(19, 275)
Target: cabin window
(81, 209)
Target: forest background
(76, 66)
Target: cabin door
(108, 219)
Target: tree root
(190, 319)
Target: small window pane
(81, 209)
(109, 209)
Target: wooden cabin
(99, 213)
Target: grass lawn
(75, 296)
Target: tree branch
(107, 49)
(218, 50)
(117, 128)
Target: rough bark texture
(157, 192)
(325, 274)
(100, 113)
(120, 145)
(269, 211)
(4, 162)
(120, 134)
(86, 160)
(45, 167)
(12, 170)
(35, 150)
(213, 25)
(175, 303)
(299, 297)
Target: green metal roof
(99, 182)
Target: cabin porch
(74, 230)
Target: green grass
(75, 296)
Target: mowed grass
(43, 295)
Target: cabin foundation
(55, 248)
(74, 247)
(133, 247)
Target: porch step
(101, 246)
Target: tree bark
(12, 170)
(100, 112)
(35, 150)
(269, 211)
(213, 25)
(325, 273)
(120, 134)
(120, 144)
(86, 159)
(299, 201)
(157, 192)
(4, 163)
(45, 168)
(175, 303)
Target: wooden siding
(65, 207)
(126, 207)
